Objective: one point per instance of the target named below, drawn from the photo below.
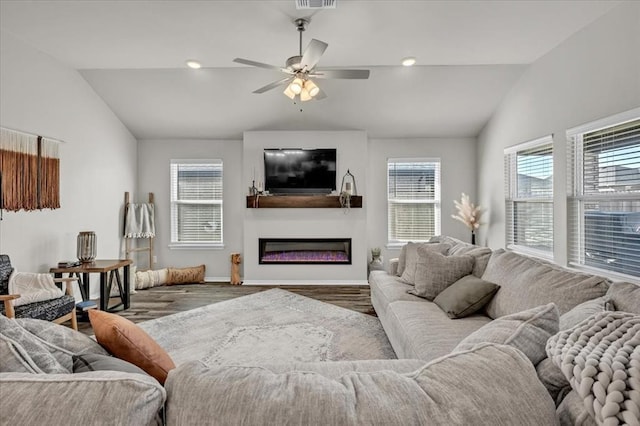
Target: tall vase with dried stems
(469, 214)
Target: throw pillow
(129, 342)
(61, 337)
(625, 297)
(583, 311)
(435, 272)
(480, 254)
(29, 351)
(412, 258)
(95, 362)
(527, 331)
(552, 378)
(465, 296)
(186, 275)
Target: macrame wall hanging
(30, 170)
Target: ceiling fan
(300, 70)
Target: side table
(109, 275)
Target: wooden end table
(108, 270)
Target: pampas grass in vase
(469, 214)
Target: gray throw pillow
(96, 362)
(59, 337)
(583, 311)
(465, 296)
(412, 258)
(625, 297)
(435, 272)
(527, 331)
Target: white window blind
(413, 199)
(604, 194)
(529, 195)
(196, 202)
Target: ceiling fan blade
(346, 74)
(312, 54)
(272, 85)
(321, 95)
(261, 65)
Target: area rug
(273, 326)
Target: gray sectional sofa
(488, 368)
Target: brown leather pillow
(186, 275)
(127, 341)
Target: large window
(196, 202)
(413, 199)
(529, 196)
(604, 194)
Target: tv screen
(300, 171)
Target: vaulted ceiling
(469, 54)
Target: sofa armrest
(99, 396)
(393, 266)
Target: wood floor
(166, 300)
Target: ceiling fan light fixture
(193, 64)
(296, 85)
(312, 88)
(289, 92)
(304, 95)
(409, 61)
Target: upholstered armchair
(58, 310)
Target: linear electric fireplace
(305, 251)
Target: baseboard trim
(306, 282)
(217, 279)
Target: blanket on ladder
(601, 359)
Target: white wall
(307, 222)
(97, 160)
(154, 175)
(458, 175)
(593, 74)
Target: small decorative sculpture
(235, 269)
(86, 246)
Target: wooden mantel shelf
(299, 201)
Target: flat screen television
(300, 171)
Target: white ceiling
(470, 53)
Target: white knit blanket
(601, 359)
(33, 288)
(140, 221)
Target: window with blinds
(413, 199)
(196, 202)
(529, 195)
(604, 194)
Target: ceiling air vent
(316, 4)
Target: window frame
(174, 203)
(512, 197)
(436, 201)
(576, 196)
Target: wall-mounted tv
(300, 171)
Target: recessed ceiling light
(408, 62)
(191, 63)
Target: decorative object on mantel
(235, 269)
(86, 246)
(31, 171)
(469, 214)
(347, 189)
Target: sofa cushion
(435, 272)
(527, 331)
(422, 330)
(387, 288)
(97, 397)
(412, 258)
(552, 378)
(29, 351)
(129, 342)
(526, 283)
(95, 362)
(625, 297)
(466, 296)
(451, 390)
(583, 311)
